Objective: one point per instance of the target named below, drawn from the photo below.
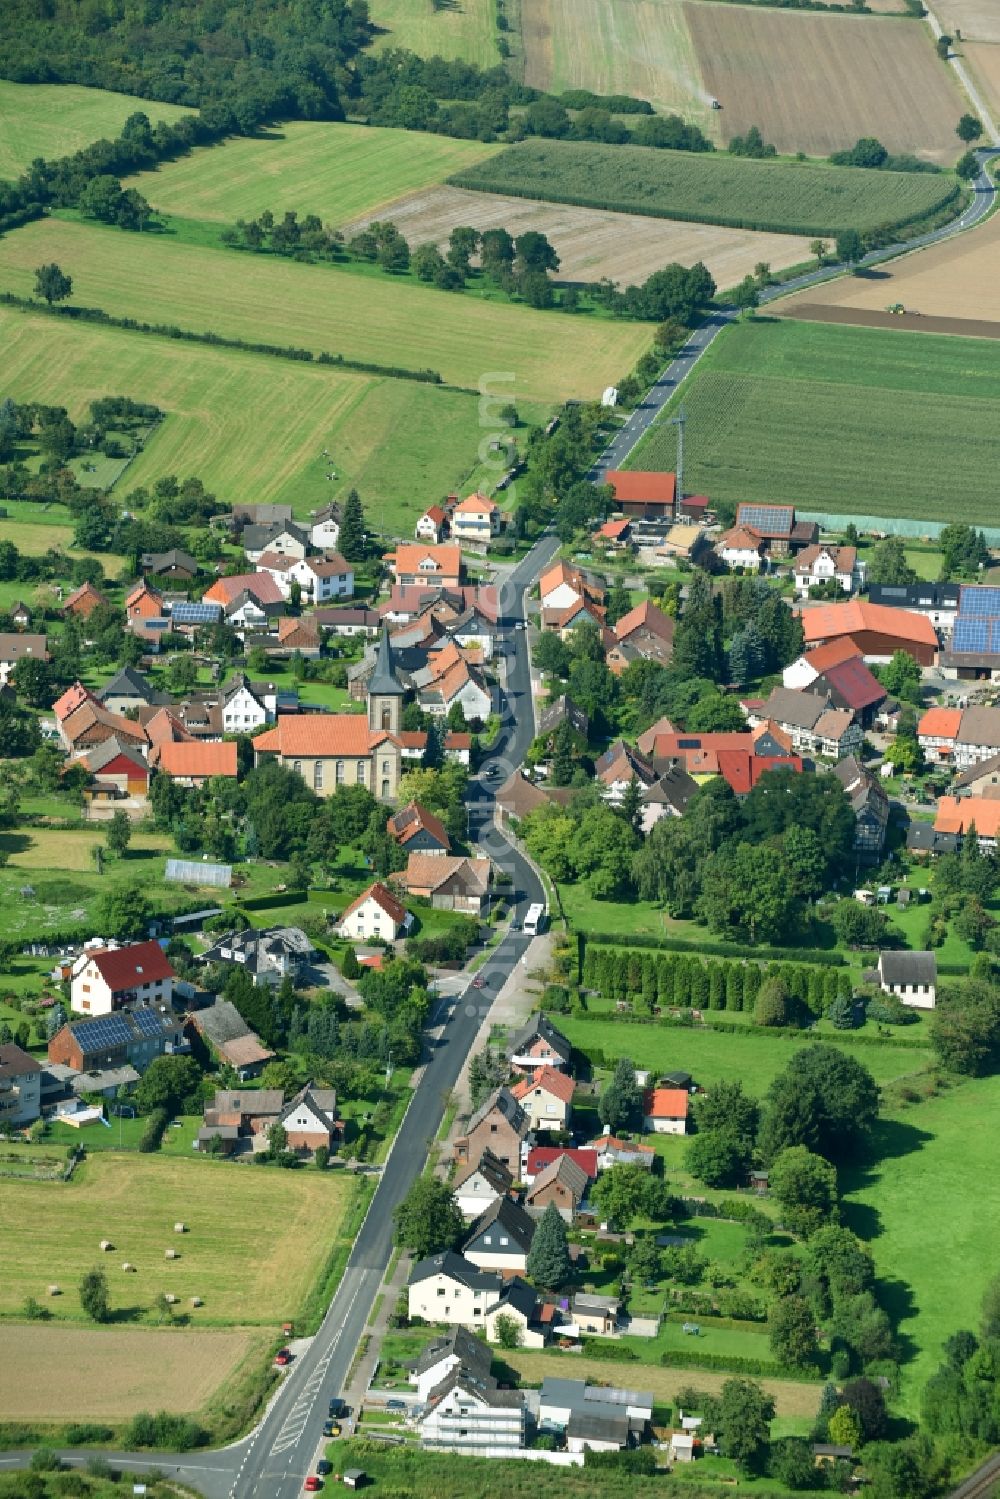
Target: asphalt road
(273, 1461)
(644, 415)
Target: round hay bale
(197, 1301)
(55, 1291)
(171, 1254)
(180, 1228)
(106, 1244)
(170, 1299)
(128, 1267)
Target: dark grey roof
(915, 595)
(220, 1022)
(507, 1215)
(458, 1343)
(801, 709)
(829, 1449)
(613, 1427)
(480, 1386)
(493, 1170)
(908, 968)
(979, 725)
(564, 709)
(457, 1267)
(588, 1302)
(862, 787)
(541, 1028)
(518, 1296)
(565, 1170)
(675, 787)
(921, 838)
(131, 683)
(383, 681)
(503, 1100)
(162, 561)
(16, 1063)
(976, 772)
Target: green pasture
(50, 120)
(462, 30)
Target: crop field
(52, 119)
(549, 355)
(815, 83)
(953, 279)
(257, 1239)
(846, 420)
(790, 197)
(591, 244)
(335, 171)
(938, 1152)
(977, 20)
(462, 29)
(109, 1374)
(242, 422)
(639, 47)
(983, 61)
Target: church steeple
(385, 691)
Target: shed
(355, 1478)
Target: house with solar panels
(777, 527)
(973, 653)
(187, 616)
(130, 1038)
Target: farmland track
(981, 1484)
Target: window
(361, 772)
(317, 774)
(504, 1241)
(442, 1290)
(487, 1238)
(340, 772)
(493, 1129)
(297, 766)
(385, 786)
(385, 767)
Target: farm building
(876, 630)
(643, 496)
(910, 976)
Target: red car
(477, 983)
(283, 1357)
(313, 1483)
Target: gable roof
(457, 1342)
(431, 871)
(980, 726)
(559, 1084)
(83, 600)
(853, 682)
(961, 814)
(262, 586)
(498, 1175)
(475, 504)
(635, 486)
(412, 557)
(90, 714)
(543, 1155)
(917, 968)
(775, 522)
(318, 735)
(565, 1171)
(507, 1215)
(503, 1102)
(178, 758)
(740, 539)
(976, 772)
(843, 558)
(540, 1027)
(741, 770)
(414, 818)
(800, 709)
(645, 616)
(456, 1267)
(821, 621)
(128, 967)
(393, 908)
(832, 653)
(666, 1103)
(940, 723)
(110, 750)
(131, 683)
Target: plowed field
(816, 83)
(983, 61)
(977, 20)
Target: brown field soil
(907, 322)
(977, 20)
(790, 1397)
(983, 61)
(109, 1374)
(954, 279)
(590, 243)
(816, 83)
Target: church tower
(385, 691)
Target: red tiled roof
(476, 504)
(544, 1155)
(855, 683)
(318, 735)
(83, 600)
(742, 770)
(957, 814)
(456, 741)
(414, 818)
(822, 657)
(74, 697)
(741, 539)
(772, 730)
(435, 514)
(666, 1103)
(940, 723)
(263, 587)
(614, 529)
(165, 725)
(642, 488)
(178, 758)
(548, 1079)
(700, 752)
(408, 556)
(647, 616)
(377, 892)
(823, 621)
(128, 967)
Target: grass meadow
(851, 421)
(786, 196)
(258, 1239)
(548, 355)
(244, 423)
(463, 29)
(336, 171)
(54, 119)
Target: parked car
(312, 1484)
(331, 1428)
(283, 1357)
(395, 1405)
(337, 1407)
(324, 1466)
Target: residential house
(240, 1115)
(628, 1412)
(937, 732)
(519, 1303)
(741, 769)
(347, 622)
(111, 978)
(819, 564)
(469, 1413)
(582, 612)
(546, 1097)
(643, 496)
(259, 514)
(419, 831)
(20, 1087)
(231, 593)
(133, 1038)
(476, 519)
(541, 1156)
(878, 631)
(448, 1288)
(321, 579)
(978, 736)
(296, 636)
(414, 563)
(981, 779)
(667, 797)
(804, 670)
(910, 976)
(959, 815)
(193, 764)
(870, 806)
(646, 741)
(647, 631)
(938, 602)
(143, 603)
(741, 547)
(477, 1187)
(17, 646)
(474, 631)
(82, 602)
(539, 1044)
(665, 1111)
(698, 754)
(375, 916)
(283, 539)
(432, 525)
(518, 796)
(128, 691)
(117, 772)
(811, 722)
(614, 536)
(597, 1315)
(455, 1349)
(243, 708)
(450, 882)
(614, 1152)
(685, 539)
(776, 525)
(850, 685)
(499, 1125)
(324, 532)
(449, 679)
(90, 725)
(174, 565)
(195, 719)
(562, 1182)
(559, 711)
(619, 765)
(222, 1027)
(500, 1237)
(310, 1120)
(269, 954)
(562, 588)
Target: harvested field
(790, 1397)
(906, 322)
(977, 20)
(779, 196)
(551, 357)
(816, 83)
(953, 279)
(592, 244)
(983, 61)
(285, 1226)
(463, 29)
(335, 171)
(109, 1374)
(639, 47)
(53, 119)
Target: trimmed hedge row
(679, 1358)
(153, 1133)
(714, 949)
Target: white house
(741, 547)
(519, 1302)
(15, 647)
(20, 1086)
(283, 539)
(820, 563)
(546, 1097)
(476, 519)
(452, 1350)
(477, 1187)
(911, 976)
(106, 980)
(325, 531)
(448, 1288)
(501, 1237)
(432, 525)
(242, 710)
(324, 578)
(469, 1413)
(376, 914)
(665, 1111)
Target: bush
(615, 1353)
(151, 1136)
(87, 1434)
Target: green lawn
(847, 421)
(50, 120)
(245, 423)
(713, 1055)
(463, 30)
(338, 172)
(545, 356)
(933, 1219)
(785, 196)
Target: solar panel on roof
(980, 600)
(765, 518)
(196, 614)
(971, 634)
(104, 1032)
(147, 1022)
